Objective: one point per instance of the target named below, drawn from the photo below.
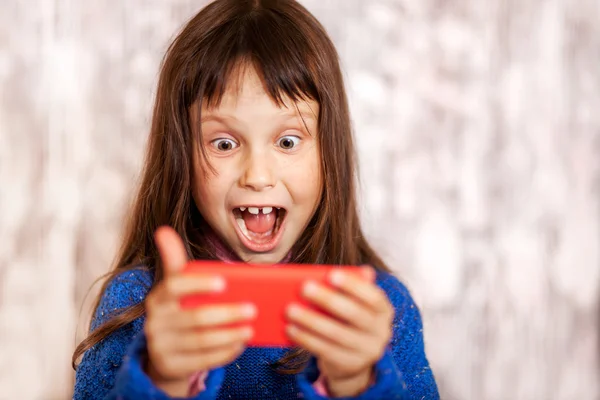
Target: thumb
(171, 249)
(368, 273)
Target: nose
(258, 173)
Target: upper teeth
(256, 210)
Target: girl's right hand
(182, 342)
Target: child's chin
(262, 258)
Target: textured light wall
(478, 130)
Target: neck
(225, 254)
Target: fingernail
(247, 333)
(291, 330)
(218, 284)
(337, 278)
(249, 310)
(293, 311)
(310, 288)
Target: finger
(169, 317)
(326, 327)
(214, 315)
(318, 346)
(171, 249)
(368, 273)
(340, 306)
(182, 285)
(164, 299)
(207, 339)
(189, 363)
(214, 358)
(365, 291)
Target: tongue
(259, 223)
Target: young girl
(250, 159)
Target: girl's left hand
(348, 343)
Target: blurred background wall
(478, 128)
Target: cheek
(211, 190)
(208, 192)
(202, 196)
(306, 180)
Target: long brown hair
(296, 59)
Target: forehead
(245, 89)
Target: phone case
(270, 287)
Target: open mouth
(259, 227)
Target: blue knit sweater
(112, 369)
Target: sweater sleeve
(132, 383)
(403, 373)
(112, 368)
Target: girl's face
(266, 183)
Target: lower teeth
(242, 224)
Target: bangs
(270, 43)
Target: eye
(224, 144)
(288, 142)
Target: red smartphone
(271, 288)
